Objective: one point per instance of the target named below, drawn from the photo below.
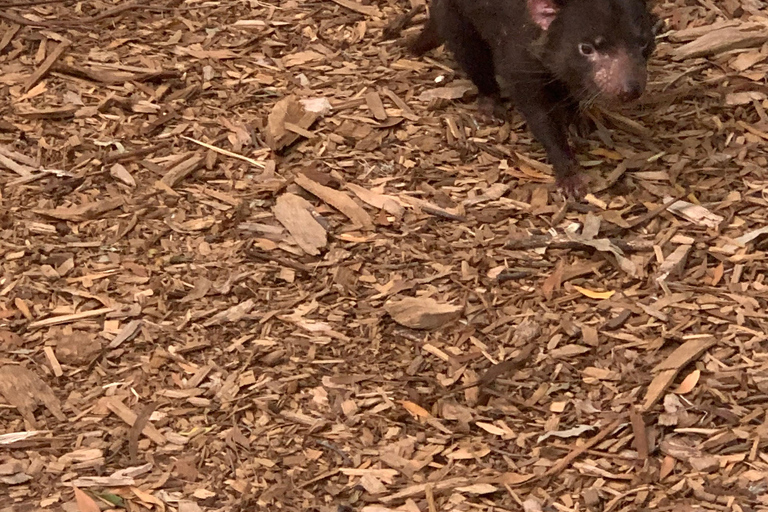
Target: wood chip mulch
(254, 256)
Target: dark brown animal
(552, 55)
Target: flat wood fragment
(373, 100)
(338, 200)
(292, 212)
(422, 312)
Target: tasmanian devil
(552, 55)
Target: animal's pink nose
(631, 90)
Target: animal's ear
(543, 12)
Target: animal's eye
(586, 49)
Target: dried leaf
(478, 489)
(594, 294)
(491, 429)
(121, 173)
(717, 274)
(84, 502)
(415, 409)
(688, 383)
(553, 281)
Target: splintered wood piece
(293, 212)
(719, 41)
(125, 333)
(8, 36)
(123, 412)
(117, 480)
(422, 312)
(368, 10)
(430, 208)
(288, 111)
(230, 315)
(83, 212)
(20, 169)
(23, 389)
(338, 200)
(580, 449)
(49, 113)
(299, 129)
(390, 204)
(673, 264)
(640, 434)
(492, 193)
(694, 213)
(671, 366)
(65, 319)
(45, 67)
(55, 365)
(560, 241)
(181, 170)
(373, 100)
(436, 487)
(135, 431)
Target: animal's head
(600, 48)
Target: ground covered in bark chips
(253, 256)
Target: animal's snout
(632, 89)
(620, 76)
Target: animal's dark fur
(550, 54)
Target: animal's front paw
(572, 185)
(490, 110)
(583, 125)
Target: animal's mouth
(623, 97)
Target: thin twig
(225, 152)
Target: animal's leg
(476, 59)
